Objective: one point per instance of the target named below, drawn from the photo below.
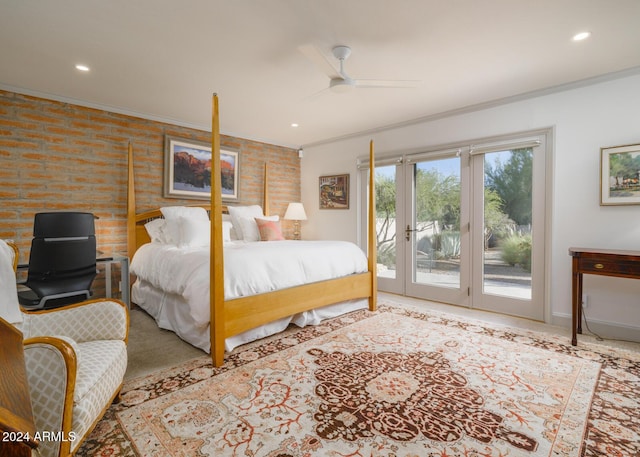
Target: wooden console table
(606, 262)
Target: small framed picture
(620, 175)
(334, 192)
(187, 170)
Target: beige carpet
(396, 382)
(151, 349)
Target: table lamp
(295, 212)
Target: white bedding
(171, 312)
(250, 268)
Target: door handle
(407, 232)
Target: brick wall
(59, 156)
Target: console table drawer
(608, 267)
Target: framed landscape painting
(187, 170)
(620, 175)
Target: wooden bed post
(131, 206)
(237, 315)
(372, 238)
(265, 190)
(216, 263)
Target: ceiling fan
(340, 81)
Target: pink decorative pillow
(269, 230)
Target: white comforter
(250, 268)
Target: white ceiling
(162, 59)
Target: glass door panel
(435, 245)
(389, 211)
(436, 223)
(508, 238)
(386, 233)
(508, 206)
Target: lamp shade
(295, 211)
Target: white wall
(584, 120)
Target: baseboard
(607, 330)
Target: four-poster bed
(233, 316)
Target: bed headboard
(141, 235)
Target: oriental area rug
(396, 382)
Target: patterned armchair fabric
(76, 358)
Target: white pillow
(172, 214)
(227, 218)
(193, 232)
(189, 212)
(227, 226)
(250, 229)
(157, 230)
(239, 212)
(173, 231)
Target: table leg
(576, 283)
(124, 281)
(107, 279)
(579, 303)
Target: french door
(465, 225)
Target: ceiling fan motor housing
(341, 52)
(344, 84)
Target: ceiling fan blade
(383, 83)
(315, 95)
(320, 60)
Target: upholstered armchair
(75, 356)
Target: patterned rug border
(506, 331)
(163, 382)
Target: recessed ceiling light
(82, 67)
(294, 125)
(581, 36)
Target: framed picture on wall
(334, 192)
(187, 170)
(620, 175)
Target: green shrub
(510, 250)
(387, 254)
(450, 244)
(516, 250)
